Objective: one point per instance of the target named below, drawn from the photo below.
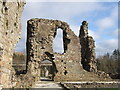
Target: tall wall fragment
(41, 33)
(67, 66)
(88, 56)
(10, 30)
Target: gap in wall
(58, 42)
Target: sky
(102, 18)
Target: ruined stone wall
(40, 36)
(41, 33)
(67, 66)
(88, 56)
(10, 28)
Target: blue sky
(101, 16)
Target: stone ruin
(10, 30)
(67, 66)
(75, 64)
(88, 56)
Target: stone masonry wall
(41, 33)
(68, 67)
(88, 55)
(40, 36)
(10, 28)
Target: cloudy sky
(101, 16)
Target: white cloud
(94, 34)
(107, 27)
(62, 11)
(105, 23)
(66, 12)
(112, 43)
(109, 21)
(106, 46)
(75, 29)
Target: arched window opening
(58, 42)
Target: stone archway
(46, 70)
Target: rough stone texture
(67, 66)
(41, 33)
(10, 28)
(88, 56)
(40, 36)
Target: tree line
(110, 63)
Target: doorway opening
(47, 71)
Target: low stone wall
(93, 85)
